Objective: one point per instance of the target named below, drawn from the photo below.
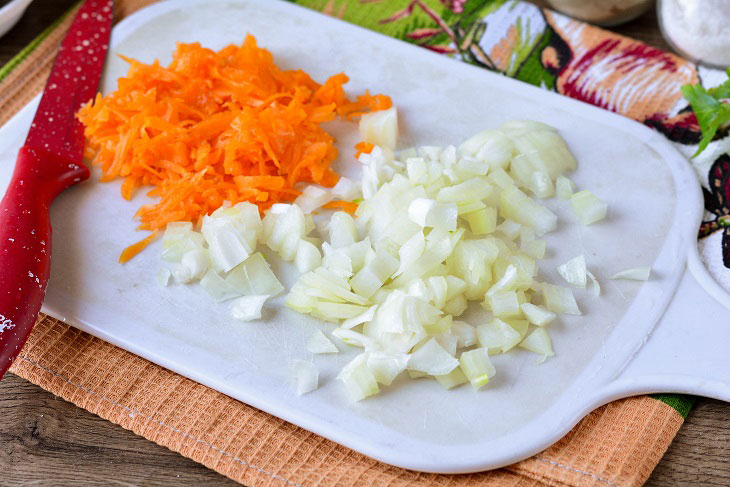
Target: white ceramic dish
(11, 13)
(637, 338)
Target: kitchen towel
(617, 445)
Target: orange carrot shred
(215, 127)
(348, 206)
(363, 148)
(136, 248)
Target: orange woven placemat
(618, 444)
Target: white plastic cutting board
(655, 207)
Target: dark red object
(48, 163)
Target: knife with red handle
(49, 162)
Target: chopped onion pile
(222, 257)
(438, 227)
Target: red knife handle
(25, 243)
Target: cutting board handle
(689, 349)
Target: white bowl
(11, 13)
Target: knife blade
(49, 162)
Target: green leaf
(711, 107)
(711, 113)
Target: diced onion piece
(312, 198)
(383, 265)
(469, 207)
(319, 343)
(501, 178)
(640, 273)
(308, 256)
(357, 253)
(541, 184)
(416, 374)
(358, 379)
(506, 282)
(283, 226)
(386, 366)
(337, 311)
(196, 261)
(454, 286)
(541, 146)
(163, 276)
(527, 234)
(380, 128)
(596, 289)
(373, 275)
(504, 304)
(537, 315)
(538, 341)
(564, 187)
(346, 190)
(438, 287)
(448, 341)
(520, 326)
(417, 170)
(432, 359)
(323, 283)
(517, 206)
(254, 277)
(477, 366)
(305, 375)
(217, 287)
(483, 221)
(430, 213)
(299, 300)
(574, 271)
(465, 333)
(226, 247)
(365, 283)
(534, 248)
(231, 234)
(473, 189)
(178, 239)
(497, 336)
(410, 251)
(510, 229)
(361, 318)
(456, 305)
(588, 207)
(454, 378)
(181, 274)
(339, 262)
(490, 146)
(471, 261)
(175, 230)
(247, 308)
(559, 299)
(355, 339)
(342, 230)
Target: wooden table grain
(45, 440)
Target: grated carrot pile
(214, 127)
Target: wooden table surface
(48, 441)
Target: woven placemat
(617, 445)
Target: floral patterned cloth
(575, 59)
